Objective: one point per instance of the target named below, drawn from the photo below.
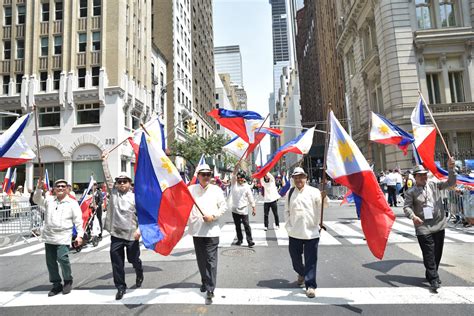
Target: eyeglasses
(122, 181)
(205, 174)
(61, 186)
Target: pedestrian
(122, 224)
(61, 213)
(98, 200)
(205, 229)
(398, 185)
(391, 181)
(270, 199)
(241, 197)
(303, 207)
(423, 205)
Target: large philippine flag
(162, 198)
(14, 149)
(424, 146)
(300, 145)
(155, 129)
(347, 166)
(385, 132)
(194, 180)
(243, 123)
(236, 146)
(260, 135)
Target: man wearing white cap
(205, 229)
(60, 214)
(423, 205)
(303, 207)
(122, 223)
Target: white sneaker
(310, 293)
(265, 229)
(277, 227)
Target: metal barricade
(19, 220)
(337, 192)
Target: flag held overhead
(242, 123)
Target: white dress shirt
(270, 191)
(241, 196)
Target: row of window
(43, 77)
(20, 15)
(437, 13)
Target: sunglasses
(205, 174)
(122, 181)
(61, 186)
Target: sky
(248, 23)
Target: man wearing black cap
(423, 205)
(122, 223)
(60, 214)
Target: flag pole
(369, 143)
(434, 123)
(35, 112)
(323, 184)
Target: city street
(256, 281)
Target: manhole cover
(238, 252)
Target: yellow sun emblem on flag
(383, 129)
(240, 145)
(167, 164)
(163, 186)
(255, 126)
(345, 150)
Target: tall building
(321, 73)
(392, 50)
(203, 66)
(86, 65)
(228, 60)
(172, 34)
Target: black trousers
(206, 256)
(266, 210)
(117, 256)
(432, 248)
(99, 217)
(392, 195)
(244, 219)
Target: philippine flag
(347, 166)
(286, 185)
(6, 181)
(300, 145)
(162, 198)
(13, 147)
(242, 123)
(236, 146)
(155, 129)
(11, 183)
(385, 132)
(260, 135)
(194, 180)
(424, 146)
(47, 185)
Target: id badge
(428, 212)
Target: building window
(21, 14)
(7, 49)
(81, 77)
(434, 92)
(456, 86)
(45, 12)
(6, 121)
(6, 82)
(83, 8)
(82, 42)
(447, 14)
(7, 13)
(135, 120)
(123, 164)
(20, 49)
(56, 79)
(19, 79)
(58, 45)
(95, 76)
(95, 41)
(49, 116)
(423, 14)
(97, 9)
(44, 46)
(43, 80)
(88, 114)
(58, 11)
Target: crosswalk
(347, 232)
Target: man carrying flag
(205, 229)
(122, 224)
(347, 166)
(270, 199)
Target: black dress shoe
(202, 288)
(238, 243)
(67, 287)
(55, 290)
(251, 244)
(209, 295)
(139, 279)
(434, 285)
(120, 294)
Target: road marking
(226, 296)
(345, 231)
(23, 251)
(394, 236)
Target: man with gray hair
(423, 205)
(303, 207)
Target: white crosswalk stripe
(338, 233)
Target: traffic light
(186, 126)
(192, 128)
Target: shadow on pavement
(277, 284)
